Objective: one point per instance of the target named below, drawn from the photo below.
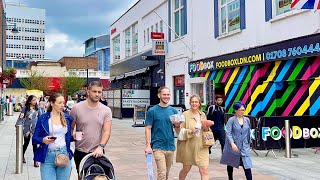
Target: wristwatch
(102, 145)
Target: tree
(35, 80)
(73, 83)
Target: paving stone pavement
(125, 150)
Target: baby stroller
(91, 168)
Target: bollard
(287, 137)
(10, 109)
(19, 149)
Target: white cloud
(112, 16)
(59, 44)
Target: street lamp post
(14, 31)
(87, 83)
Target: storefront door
(179, 90)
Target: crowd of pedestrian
(196, 133)
(53, 123)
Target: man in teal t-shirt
(159, 130)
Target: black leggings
(247, 172)
(26, 143)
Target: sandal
(35, 164)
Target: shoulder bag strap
(213, 108)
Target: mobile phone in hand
(52, 137)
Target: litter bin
(10, 109)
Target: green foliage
(9, 73)
(35, 81)
(73, 83)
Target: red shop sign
(179, 80)
(157, 35)
(113, 30)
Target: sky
(70, 22)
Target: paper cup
(79, 135)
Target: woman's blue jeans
(49, 171)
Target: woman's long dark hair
(28, 103)
(52, 99)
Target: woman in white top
(70, 103)
(53, 133)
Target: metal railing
(22, 73)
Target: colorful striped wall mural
(280, 88)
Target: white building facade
(130, 34)
(132, 64)
(29, 43)
(250, 51)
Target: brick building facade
(77, 63)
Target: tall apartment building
(99, 47)
(29, 44)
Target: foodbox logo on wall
(201, 66)
(296, 133)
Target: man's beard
(93, 100)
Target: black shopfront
(144, 73)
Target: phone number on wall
(292, 52)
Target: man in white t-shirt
(93, 119)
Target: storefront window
(128, 42)
(197, 88)
(282, 6)
(229, 15)
(116, 48)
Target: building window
(144, 37)
(152, 29)
(116, 48)
(282, 6)
(161, 27)
(156, 27)
(127, 42)
(179, 17)
(134, 39)
(148, 35)
(229, 15)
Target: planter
(7, 81)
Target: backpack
(212, 108)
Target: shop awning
(135, 63)
(133, 73)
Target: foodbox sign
(296, 132)
(289, 49)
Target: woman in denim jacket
(53, 133)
